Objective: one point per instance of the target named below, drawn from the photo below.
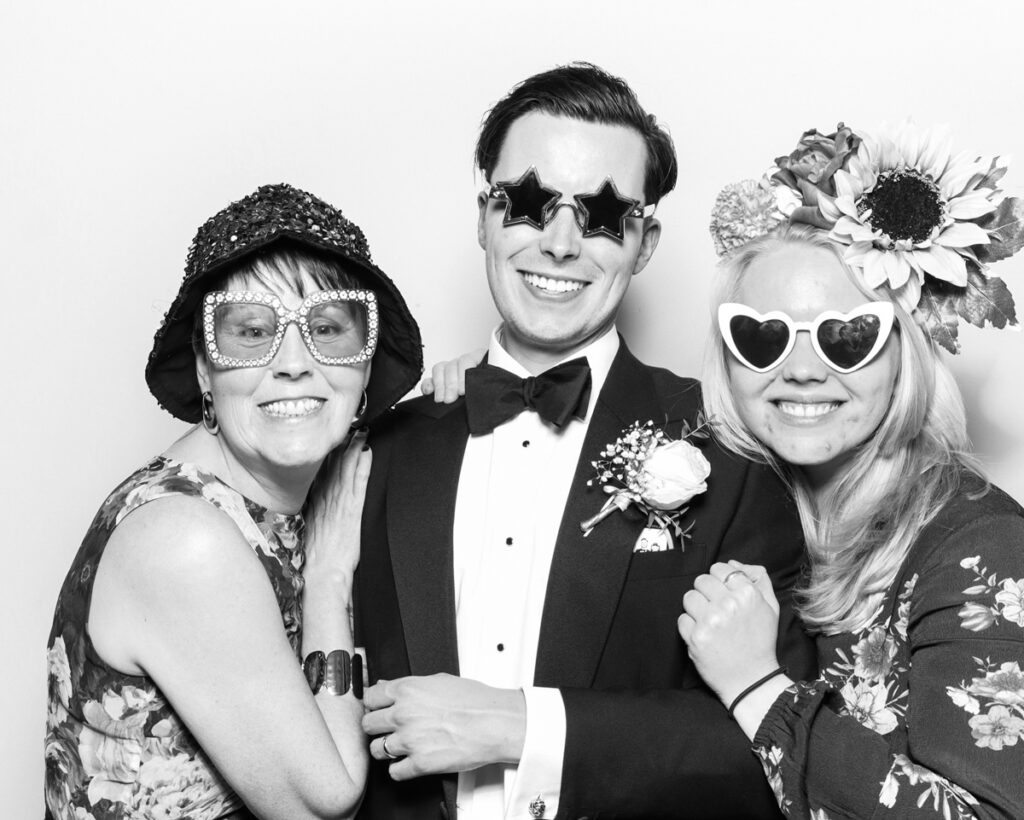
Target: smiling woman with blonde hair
(921, 428)
(844, 272)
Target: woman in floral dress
(177, 687)
(844, 272)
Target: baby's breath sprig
(623, 470)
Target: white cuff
(538, 778)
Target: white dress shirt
(512, 492)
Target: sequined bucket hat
(277, 213)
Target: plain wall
(125, 125)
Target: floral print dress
(921, 712)
(115, 749)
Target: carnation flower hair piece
(915, 217)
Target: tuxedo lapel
(587, 573)
(422, 489)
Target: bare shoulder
(168, 564)
(176, 534)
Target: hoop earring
(209, 414)
(360, 412)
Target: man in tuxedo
(527, 670)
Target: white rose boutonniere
(673, 474)
(656, 473)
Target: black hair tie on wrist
(782, 670)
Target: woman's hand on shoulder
(334, 513)
(730, 626)
(447, 380)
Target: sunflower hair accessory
(912, 216)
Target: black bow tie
(493, 395)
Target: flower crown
(911, 214)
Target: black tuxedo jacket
(645, 737)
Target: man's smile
(550, 284)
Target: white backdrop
(125, 124)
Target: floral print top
(921, 712)
(115, 749)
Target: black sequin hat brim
(276, 213)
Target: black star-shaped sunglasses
(600, 213)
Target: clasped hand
(730, 625)
(443, 723)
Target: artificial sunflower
(907, 207)
(915, 218)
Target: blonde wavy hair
(859, 529)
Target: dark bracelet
(782, 670)
(336, 672)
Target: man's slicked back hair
(581, 91)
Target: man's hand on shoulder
(447, 380)
(442, 723)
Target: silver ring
(737, 572)
(384, 746)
